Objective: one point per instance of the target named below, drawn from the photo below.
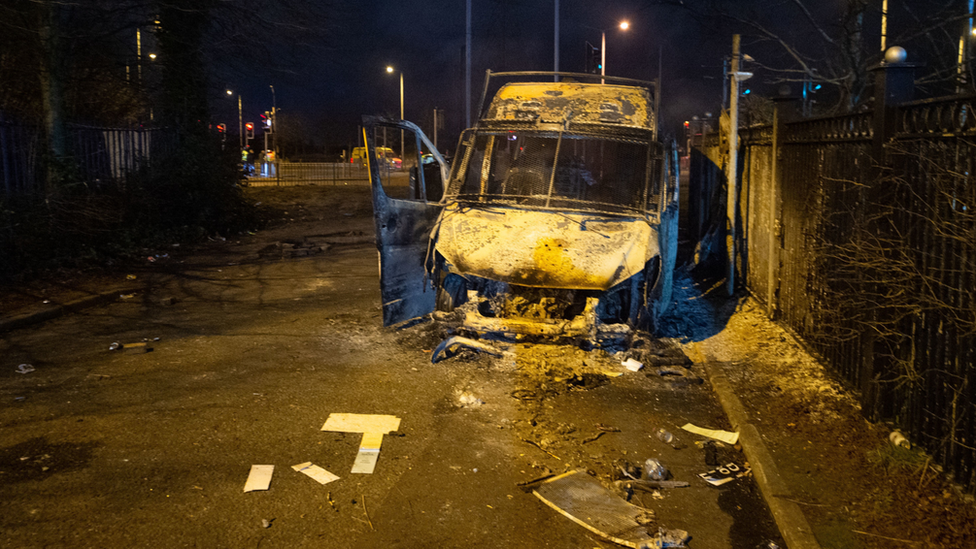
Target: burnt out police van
(557, 217)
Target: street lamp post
(390, 69)
(274, 122)
(240, 118)
(624, 25)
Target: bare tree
(833, 45)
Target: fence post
(894, 84)
(784, 110)
(7, 183)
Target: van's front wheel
(452, 292)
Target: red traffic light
(221, 128)
(249, 126)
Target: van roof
(582, 103)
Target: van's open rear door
(406, 204)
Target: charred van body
(558, 216)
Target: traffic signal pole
(240, 121)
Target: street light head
(389, 68)
(895, 54)
(229, 92)
(152, 56)
(624, 25)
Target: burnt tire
(451, 293)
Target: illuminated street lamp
(390, 69)
(624, 25)
(240, 119)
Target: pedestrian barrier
(284, 173)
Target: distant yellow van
(358, 154)
(384, 155)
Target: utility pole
(555, 64)
(139, 56)
(274, 122)
(401, 117)
(240, 121)
(603, 56)
(964, 53)
(884, 26)
(732, 206)
(467, 66)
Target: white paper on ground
(724, 436)
(316, 472)
(365, 461)
(259, 478)
(632, 364)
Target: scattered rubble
(725, 474)
(292, 248)
(583, 499)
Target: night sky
(340, 74)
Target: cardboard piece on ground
(316, 472)
(371, 441)
(724, 436)
(361, 423)
(373, 427)
(259, 478)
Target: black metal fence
(285, 173)
(858, 233)
(95, 153)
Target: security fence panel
(871, 259)
(754, 208)
(95, 154)
(286, 173)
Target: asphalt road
(263, 340)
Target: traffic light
(221, 128)
(249, 127)
(593, 65)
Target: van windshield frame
(557, 170)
